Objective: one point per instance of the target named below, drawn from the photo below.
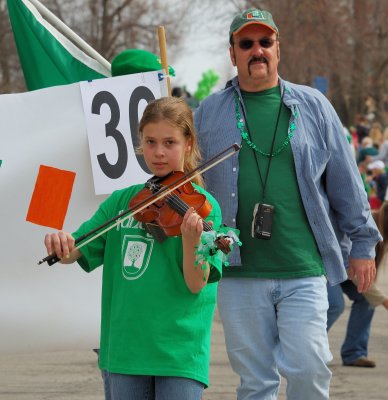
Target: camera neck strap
(246, 135)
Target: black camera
(262, 221)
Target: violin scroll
(223, 244)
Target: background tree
(109, 26)
(345, 41)
(10, 81)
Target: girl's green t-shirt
(151, 324)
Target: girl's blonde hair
(176, 112)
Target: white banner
(42, 307)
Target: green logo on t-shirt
(136, 255)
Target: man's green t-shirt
(151, 324)
(292, 251)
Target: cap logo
(256, 14)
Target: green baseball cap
(250, 17)
(134, 61)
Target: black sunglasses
(265, 43)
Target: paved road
(348, 383)
(75, 376)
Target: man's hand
(364, 271)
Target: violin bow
(154, 197)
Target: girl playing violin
(157, 299)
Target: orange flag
(51, 197)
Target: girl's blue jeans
(139, 387)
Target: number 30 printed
(117, 169)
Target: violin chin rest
(156, 231)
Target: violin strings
(181, 207)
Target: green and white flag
(47, 57)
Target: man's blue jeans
(336, 304)
(356, 340)
(273, 328)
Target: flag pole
(61, 26)
(163, 55)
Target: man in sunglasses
(295, 193)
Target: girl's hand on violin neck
(62, 244)
(191, 227)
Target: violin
(168, 212)
(148, 201)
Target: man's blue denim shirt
(333, 195)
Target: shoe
(361, 362)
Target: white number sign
(113, 108)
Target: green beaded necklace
(244, 133)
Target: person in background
(177, 91)
(354, 350)
(293, 191)
(379, 179)
(158, 299)
(362, 127)
(376, 135)
(349, 138)
(382, 155)
(182, 92)
(363, 169)
(366, 149)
